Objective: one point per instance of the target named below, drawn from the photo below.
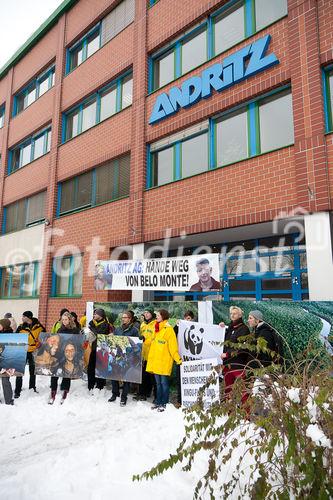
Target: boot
(52, 397)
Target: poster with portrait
(194, 273)
(118, 357)
(60, 355)
(13, 354)
(200, 341)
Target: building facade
(135, 128)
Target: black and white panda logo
(193, 339)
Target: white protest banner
(193, 376)
(199, 340)
(194, 273)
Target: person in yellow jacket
(33, 327)
(147, 331)
(162, 353)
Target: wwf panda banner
(194, 273)
(200, 341)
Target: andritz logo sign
(242, 64)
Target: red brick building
(246, 171)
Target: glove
(85, 344)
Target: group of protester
(159, 351)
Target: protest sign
(193, 273)
(60, 355)
(13, 354)
(118, 357)
(193, 376)
(200, 341)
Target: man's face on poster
(53, 344)
(204, 272)
(69, 352)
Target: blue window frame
(328, 97)
(106, 102)
(100, 185)
(67, 275)
(259, 269)
(29, 150)
(225, 28)
(20, 281)
(34, 90)
(2, 115)
(84, 48)
(152, 2)
(24, 213)
(261, 126)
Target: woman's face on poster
(69, 352)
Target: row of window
(29, 150)
(328, 98)
(95, 187)
(34, 90)
(98, 107)
(20, 281)
(222, 30)
(255, 128)
(24, 213)
(2, 115)
(108, 28)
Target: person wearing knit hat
(33, 327)
(99, 325)
(263, 331)
(6, 385)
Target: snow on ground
(88, 449)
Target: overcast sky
(19, 19)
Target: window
(34, 90)
(258, 127)
(2, 116)
(232, 23)
(229, 28)
(328, 98)
(179, 156)
(24, 213)
(29, 150)
(231, 138)
(105, 103)
(21, 280)
(100, 185)
(187, 53)
(268, 11)
(276, 122)
(67, 275)
(112, 24)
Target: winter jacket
(130, 331)
(56, 326)
(266, 332)
(147, 331)
(34, 330)
(163, 350)
(99, 328)
(64, 329)
(236, 358)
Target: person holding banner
(33, 327)
(234, 359)
(67, 326)
(127, 328)
(99, 325)
(163, 352)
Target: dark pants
(32, 378)
(92, 380)
(147, 383)
(116, 391)
(179, 389)
(162, 384)
(7, 390)
(64, 386)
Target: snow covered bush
(278, 445)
